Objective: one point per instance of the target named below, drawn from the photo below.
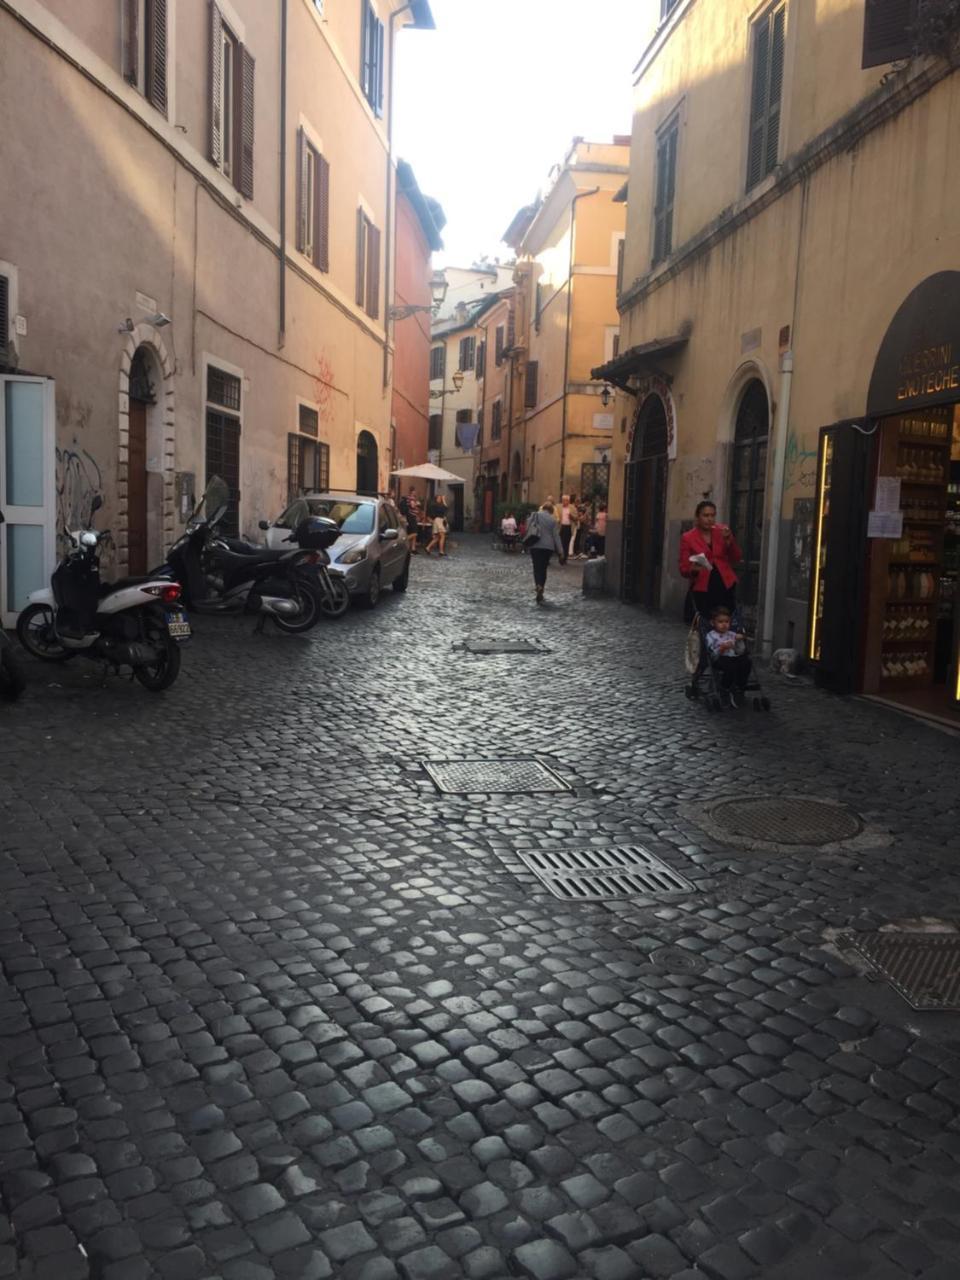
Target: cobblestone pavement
(272, 1006)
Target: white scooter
(134, 622)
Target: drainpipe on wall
(581, 195)
(781, 427)
(388, 324)
(282, 335)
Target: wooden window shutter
(481, 358)
(216, 84)
(321, 235)
(373, 272)
(156, 59)
(293, 466)
(245, 132)
(498, 346)
(775, 89)
(378, 83)
(303, 190)
(131, 41)
(887, 31)
(511, 329)
(758, 103)
(361, 255)
(365, 49)
(621, 250)
(531, 387)
(4, 315)
(666, 186)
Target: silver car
(371, 552)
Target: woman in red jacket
(708, 553)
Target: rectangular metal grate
(504, 646)
(924, 968)
(620, 871)
(512, 776)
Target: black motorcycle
(225, 575)
(12, 683)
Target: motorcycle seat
(237, 559)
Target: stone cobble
(270, 1005)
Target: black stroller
(706, 678)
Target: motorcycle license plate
(177, 624)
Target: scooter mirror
(264, 525)
(96, 504)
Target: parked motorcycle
(12, 683)
(227, 575)
(135, 622)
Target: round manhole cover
(791, 820)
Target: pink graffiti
(323, 392)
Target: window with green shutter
(532, 384)
(666, 184)
(888, 27)
(769, 36)
(4, 319)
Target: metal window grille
(309, 421)
(223, 388)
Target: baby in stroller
(727, 650)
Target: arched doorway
(645, 504)
(748, 481)
(368, 463)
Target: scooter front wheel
(309, 600)
(37, 634)
(334, 597)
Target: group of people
(583, 534)
(436, 518)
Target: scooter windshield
(216, 499)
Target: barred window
(223, 388)
(309, 421)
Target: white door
(27, 490)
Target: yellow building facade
(568, 246)
(790, 190)
(196, 254)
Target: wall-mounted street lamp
(606, 395)
(438, 291)
(457, 380)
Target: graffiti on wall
(79, 480)
(800, 465)
(323, 388)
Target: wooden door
(137, 489)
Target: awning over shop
(639, 360)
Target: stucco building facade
(194, 240)
(790, 193)
(568, 247)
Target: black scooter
(12, 683)
(223, 575)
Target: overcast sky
(488, 102)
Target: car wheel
(401, 583)
(372, 594)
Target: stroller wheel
(765, 703)
(690, 690)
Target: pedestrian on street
(597, 542)
(437, 511)
(582, 529)
(543, 523)
(568, 521)
(410, 510)
(708, 553)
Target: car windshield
(351, 517)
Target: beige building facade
(193, 251)
(790, 191)
(568, 248)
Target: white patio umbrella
(427, 471)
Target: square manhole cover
(591, 875)
(924, 968)
(515, 776)
(504, 646)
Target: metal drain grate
(924, 968)
(620, 871)
(504, 646)
(793, 820)
(513, 776)
(677, 960)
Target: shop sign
(656, 386)
(919, 359)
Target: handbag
(691, 649)
(532, 536)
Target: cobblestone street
(273, 1006)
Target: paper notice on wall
(603, 422)
(885, 524)
(888, 494)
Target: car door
(392, 550)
